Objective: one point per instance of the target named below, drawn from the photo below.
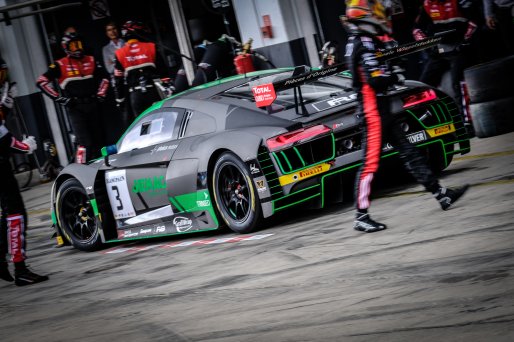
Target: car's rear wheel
(76, 217)
(234, 194)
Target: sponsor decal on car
(441, 130)
(149, 184)
(128, 233)
(160, 229)
(118, 193)
(264, 94)
(325, 104)
(254, 169)
(417, 137)
(163, 148)
(304, 174)
(261, 187)
(182, 224)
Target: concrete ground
(307, 276)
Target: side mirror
(107, 151)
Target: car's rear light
(412, 100)
(289, 138)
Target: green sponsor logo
(149, 184)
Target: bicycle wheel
(23, 174)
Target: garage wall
(291, 21)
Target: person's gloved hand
(418, 34)
(30, 141)
(13, 90)
(65, 101)
(7, 102)
(472, 27)
(120, 102)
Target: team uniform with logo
(453, 16)
(82, 82)
(135, 70)
(13, 222)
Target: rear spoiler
(265, 94)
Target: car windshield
(315, 91)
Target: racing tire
(76, 217)
(493, 117)
(490, 81)
(235, 195)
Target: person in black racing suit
(14, 217)
(368, 29)
(82, 82)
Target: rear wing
(265, 94)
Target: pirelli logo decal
(441, 130)
(304, 174)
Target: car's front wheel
(76, 217)
(234, 194)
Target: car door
(135, 176)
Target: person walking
(13, 222)
(369, 30)
(82, 83)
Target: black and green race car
(209, 156)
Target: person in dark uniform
(369, 31)
(437, 16)
(13, 222)
(137, 69)
(82, 83)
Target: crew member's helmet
(329, 54)
(72, 45)
(134, 30)
(369, 15)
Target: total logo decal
(183, 224)
(189, 243)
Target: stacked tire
(491, 94)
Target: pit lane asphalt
(432, 276)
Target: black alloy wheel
(76, 217)
(235, 194)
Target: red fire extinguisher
(80, 157)
(243, 61)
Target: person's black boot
(364, 223)
(4, 272)
(23, 276)
(447, 197)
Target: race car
(225, 153)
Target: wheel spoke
(234, 191)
